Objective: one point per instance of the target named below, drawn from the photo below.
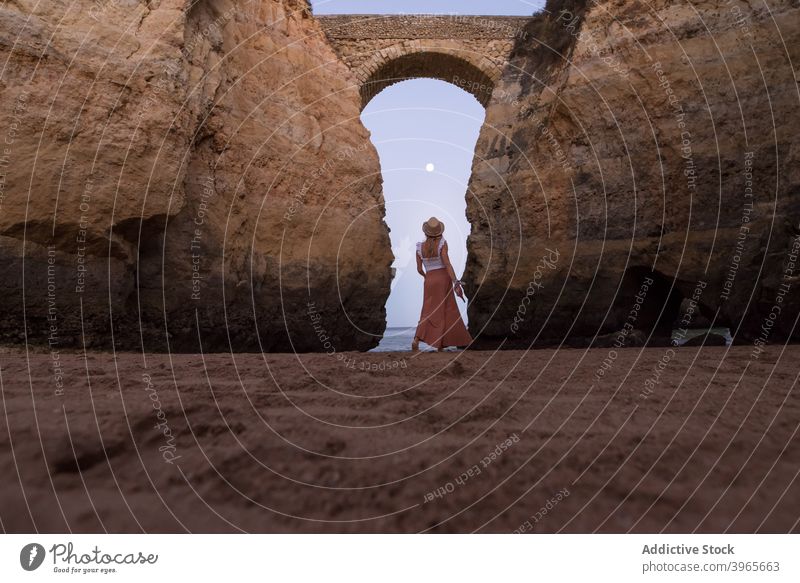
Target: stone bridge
(468, 51)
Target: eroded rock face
(284, 222)
(195, 173)
(88, 91)
(640, 156)
(191, 171)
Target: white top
(434, 262)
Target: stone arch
(472, 73)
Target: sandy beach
(637, 440)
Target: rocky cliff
(190, 173)
(194, 175)
(637, 155)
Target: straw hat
(433, 227)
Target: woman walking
(440, 324)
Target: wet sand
(679, 440)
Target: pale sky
(416, 123)
(505, 7)
(413, 124)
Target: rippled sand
(389, 442)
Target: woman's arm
(419, 264)
(451, 272)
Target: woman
(440, 323)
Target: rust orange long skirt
(440, 323)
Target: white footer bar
(401, 558)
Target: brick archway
(478, 79)
(470, 52)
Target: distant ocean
(396, 339)
(399, 339)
